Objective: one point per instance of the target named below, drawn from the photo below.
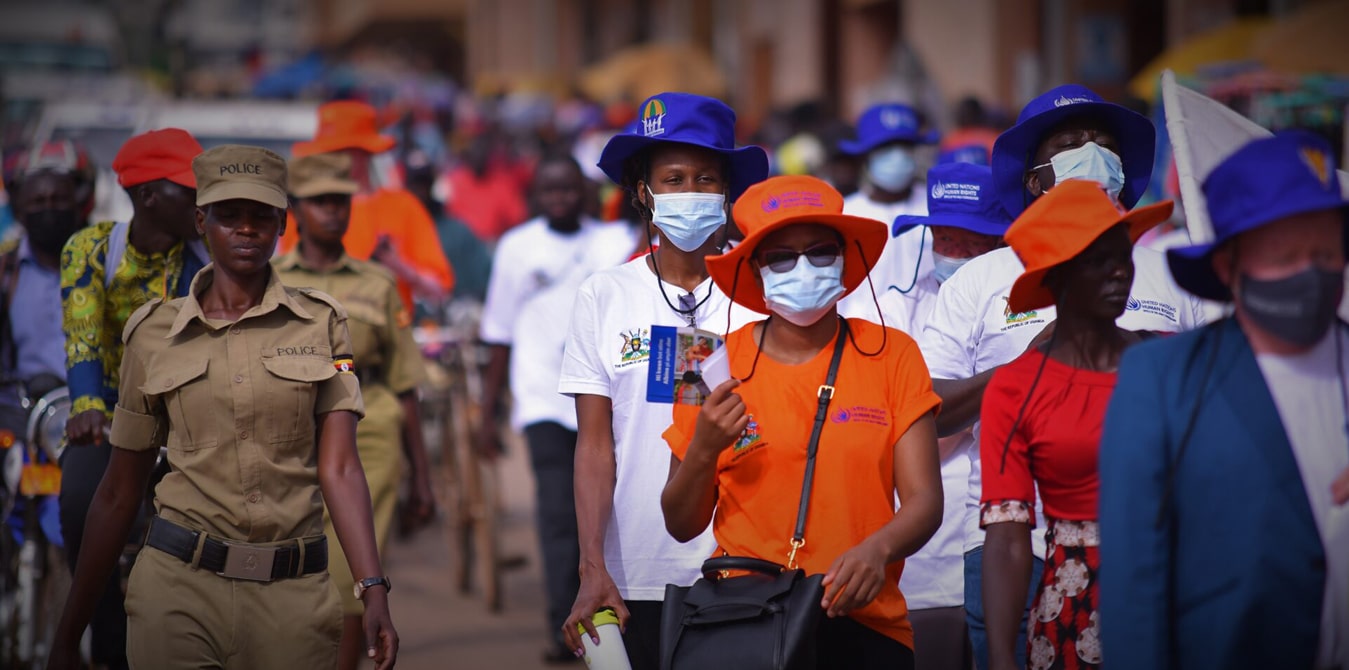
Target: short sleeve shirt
(535, 278)
(877, 399)
(237, 405)
(1055, 445)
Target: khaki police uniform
(237, 404)
(390, 365)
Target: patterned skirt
(1065, 632)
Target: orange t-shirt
(400, 215)
(876, 400)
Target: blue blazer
(1233, 576)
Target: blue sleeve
(1135, 551)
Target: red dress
(1055, 447)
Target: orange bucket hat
(779, 202)
(1061, 224)
(345, 124)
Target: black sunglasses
(783, 260)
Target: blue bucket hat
(1015, 147)
(690, 119)
(959, 195)
(885, 123)
(1264, 181)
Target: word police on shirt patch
(297, 351)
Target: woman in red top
(1042, 419)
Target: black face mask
(48, 229)
(1297, 309)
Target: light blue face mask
(1090, 161)
(688, 219)
(891, 168)
(945, 266)
(805, 293)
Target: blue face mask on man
(1092, 162)
(891, 168)
(688, 219)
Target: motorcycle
(33, 581)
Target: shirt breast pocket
(185, 390)
(289, 392)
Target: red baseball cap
(157, 154)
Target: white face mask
(688, 219)
(891, 168)
(805, 293)
(1090, 161)
(945, 266)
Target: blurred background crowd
(476, 90)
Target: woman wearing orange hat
(746, 452)
(1042, 418)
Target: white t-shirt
(607, 354)
(903, 255)
(535, 275)
(1308, 394)
(903, 311)
(934, 576)
(971, 330)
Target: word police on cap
(240, 168)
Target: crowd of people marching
(1026, 439)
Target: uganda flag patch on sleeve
(345, 364)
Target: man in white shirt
(888, 135)
(539, 267)
(1225, 456)
(1066, 133)
(966, 220)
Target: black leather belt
(238, 560)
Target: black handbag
(766, 619)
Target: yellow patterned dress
(94, 310)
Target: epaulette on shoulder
(138, 317)
(320, 296)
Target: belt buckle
(244, 561)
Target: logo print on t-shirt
(861, 414)
(636, 345)
(749, 437)
(1017, 317)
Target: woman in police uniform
(251, 386)
(381, 339)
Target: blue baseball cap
(959, 195)
(885, 123)
(1015, 148)
(686, 118)
(1266, 180)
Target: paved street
(439, 627)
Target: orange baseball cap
(157, 154)
(345, 124)
(1061, 224)
(779, 202)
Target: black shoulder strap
(826, 394)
